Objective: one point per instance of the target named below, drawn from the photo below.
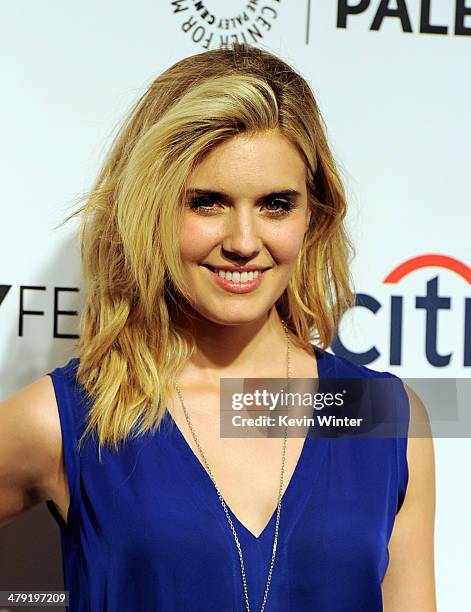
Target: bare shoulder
(409, 583)
(30, 448)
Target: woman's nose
(242, 234)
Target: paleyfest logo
(406, 15)
(215, 24)
(429, 302)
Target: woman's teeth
(238, 277)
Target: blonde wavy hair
(130, 348)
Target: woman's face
(250, 209)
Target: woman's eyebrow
(226, 198)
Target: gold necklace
(275, 539)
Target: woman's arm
(30, 448)
(409, 583)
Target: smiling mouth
(215, 270)
(243, 283)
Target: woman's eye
(200, 203)
(282, 207)
(285, 205)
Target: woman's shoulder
(372, 389)
(337, 365)
(66, 371)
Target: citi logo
(428, 303)
(400, 11)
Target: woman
(213, 246)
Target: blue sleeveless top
(146, 529)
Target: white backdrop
(397, 107)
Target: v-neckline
(290, 490)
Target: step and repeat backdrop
(392, 79)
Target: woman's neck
(237, 350)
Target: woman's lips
(234, 286)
